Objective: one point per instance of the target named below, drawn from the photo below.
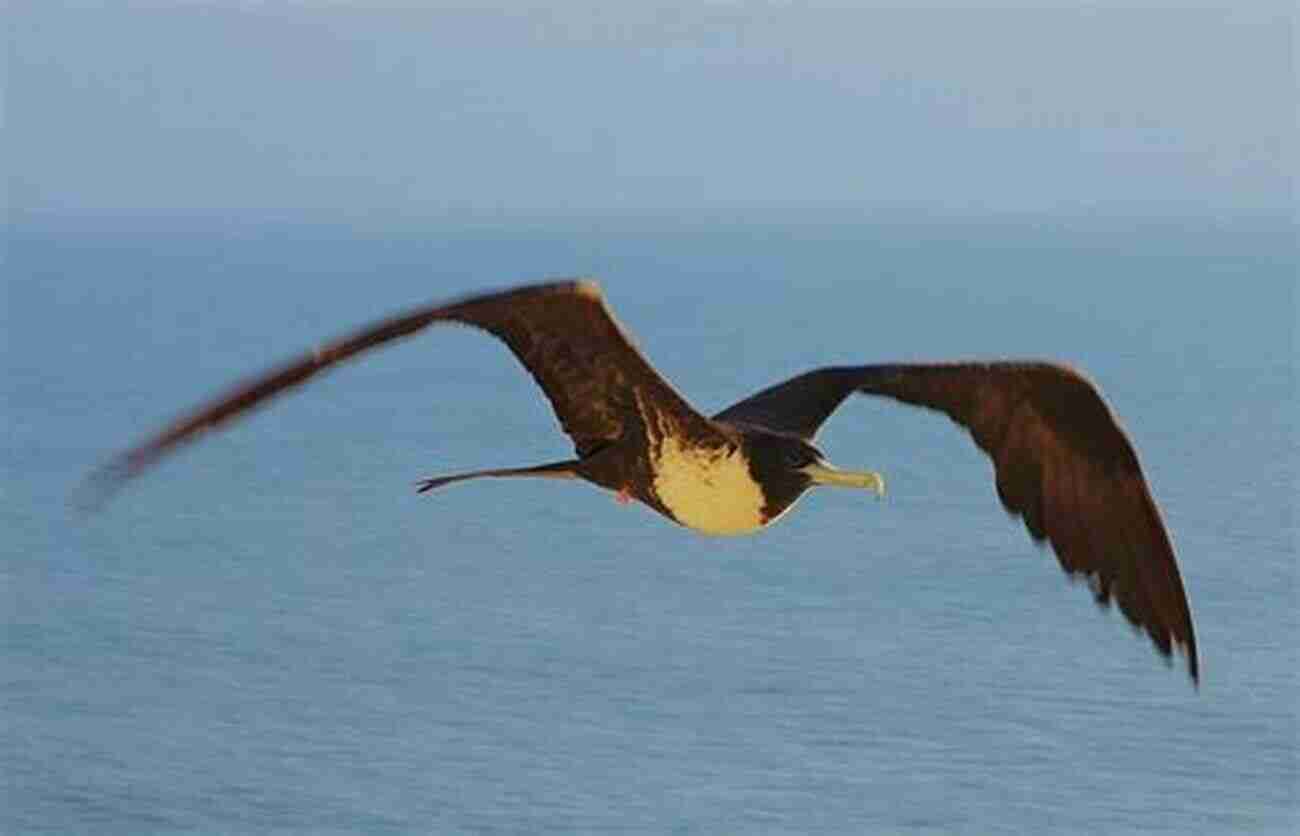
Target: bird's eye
(797, 458)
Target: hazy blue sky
(429, 107)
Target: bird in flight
(1062, 463)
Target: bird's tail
(554, 470)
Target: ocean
(273, 632)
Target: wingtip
(99, 486)
(1178, 647)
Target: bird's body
(709, 489)
(1061, 460)
(712, 488)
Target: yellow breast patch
(707, 489)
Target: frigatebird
(1061, 460)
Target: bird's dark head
(787, 466)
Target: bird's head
(787, 466)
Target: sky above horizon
(428, 108)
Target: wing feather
(562, 332)
(1062, 463)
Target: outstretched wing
(1061, 460)
(563, 333)
(797, 406)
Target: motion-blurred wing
(563, 333)
(1061, 460)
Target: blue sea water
(273, 632)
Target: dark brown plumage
(1062, 462)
